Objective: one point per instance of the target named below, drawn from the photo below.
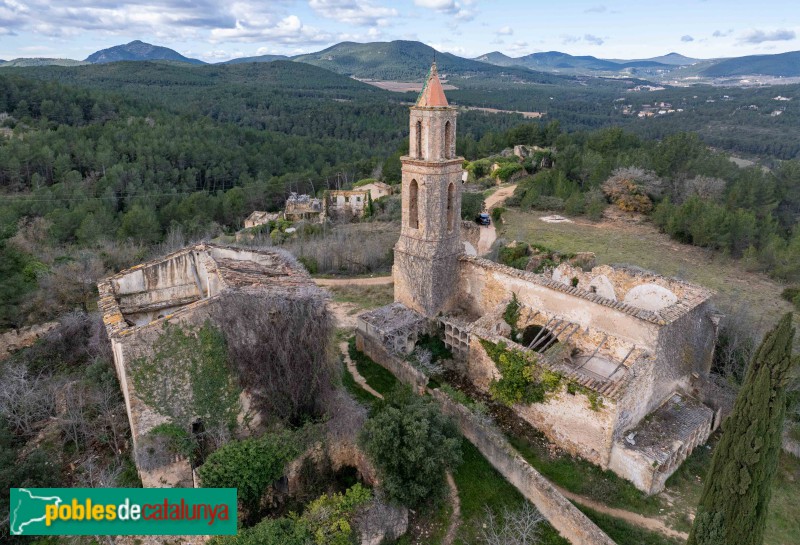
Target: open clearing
(641, 244)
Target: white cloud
(354, 12)
(722, 33)
(506, 31)
(462, 11)
(760, 36)
(596, 9)
(687, 38)
(257, 28)
(588, 38)
(592, 39)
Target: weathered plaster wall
(566, 419)
(485, 285)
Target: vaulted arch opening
(413, 204)
(451, 207)
(419, 140)
(538, 338)
(448, 140)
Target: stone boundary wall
(401, 369)
(557, 509)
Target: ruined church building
(633, 348)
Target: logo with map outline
(122, 511)
(29, 509)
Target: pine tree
(733, 507)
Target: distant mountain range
(138, 51)
(259, 58)
(39, 61)
(781, 64)
(555, 61)
(409, 61)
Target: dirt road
(366, 281)
(489, 233)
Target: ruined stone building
(629, 349)
(304, 207)
(345, 204)
(376, 189)
(259, 217)
(182, 287)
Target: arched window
(419, 140)
(451, 207)
(448, 140)
(413, 205)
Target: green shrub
(522, 379)
(329, 517)
(471, 205)
(282, 531)
(179, 441)
(309, 263)
(365, 181)
(250, 465)
(792, 295)
(511, 314)
(412, 444)
(506, 171)
(497, 214)
(516, 256)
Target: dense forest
(101, 162)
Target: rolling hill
(564, 63)
(408, 61)
(40, 61)
(259, 58)
(781, 65)
(138, 51)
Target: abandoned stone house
(304, 207)
(345, 204)
(182, 287)
(260, 217)
(376, 189)
(631, 348)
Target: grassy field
(363, 297)
(642, 245)
(480, 486)
(623, 533)
(376, 376)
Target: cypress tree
(733, 507)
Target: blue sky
(215, 30)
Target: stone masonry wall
(565, 517)
(566, 419)
(485, 285)
(404, 372)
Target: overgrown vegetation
(250, 466)
(523, 379)
(281, 350)
(328, 520)
(412, 445)
(187, 379)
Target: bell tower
(426, 255)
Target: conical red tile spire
(432, 95)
